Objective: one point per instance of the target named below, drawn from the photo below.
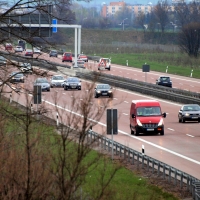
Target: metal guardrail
(134, 157)
(173, 94)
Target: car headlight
(160, 122)
(139, 123)
(98, 91)
(79, 84)
(187, 114)
(109, 91)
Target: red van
(146, 117)
(67, 57)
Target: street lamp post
(123, 22)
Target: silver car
(189, 112)
(57, 81)
(80, 64)
(43, 82)
(53, 53)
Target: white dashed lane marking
(170, 129)
(125, 101)
(189, 135)
(125, 114)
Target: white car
(57, 81)
(18, 49)
(80, 64)
(104, 63)
(36, 50)
(26, 67)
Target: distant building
(113, 7)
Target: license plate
(194, 117)
(104, 93)
(150, 129)
(73, 86)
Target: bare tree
(37, 161)
(188, 19)
(161, 12)
(189, 39)
(140, 20)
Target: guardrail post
(120, 151)
(170, 174)
(105, 144)
(175, 177)
(124, 153)
(101, 142)
(153, 166)
(129, 155)
(181, 181)
(127, 63)
(142, 161)
(148, 163)
(164, 171)
(138, 160)
(158, 168)
(133, 153)
(116, 148)
(166, 69)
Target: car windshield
(53, 51)
(103, 87)
(72, 80)
(191, 108)
(18, 75)
(57, 78)
(41, 80)
(13, 73)
(167, 79)
(67, 54)
(148, 111)
(106, 60)
(25, 64)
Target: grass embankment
(178, 64)
(43, 141)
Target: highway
(179, 147)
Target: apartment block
(113, 7)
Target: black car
(45, 85)
(164, 81)
(16, 77)
(72, 83)
(103, 90)
(189, 112)
(53, 53)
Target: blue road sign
(54, 23)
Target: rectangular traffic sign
(54, 23)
